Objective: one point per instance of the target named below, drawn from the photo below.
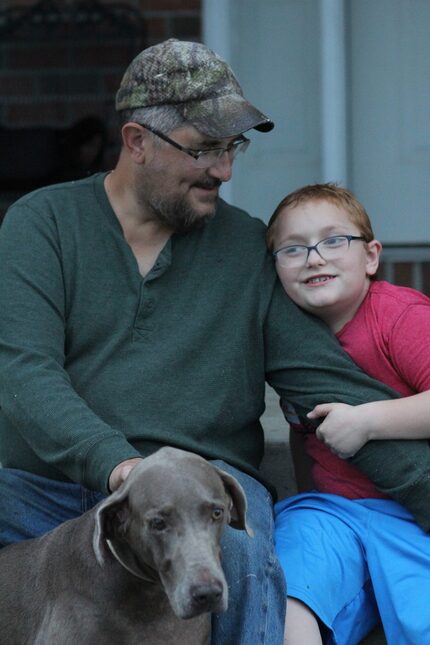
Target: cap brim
(225, 116)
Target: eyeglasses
(330, 248)
(209, 157)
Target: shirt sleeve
(36, 393)
(306, 366)
(409, 346)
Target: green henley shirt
(99, 364)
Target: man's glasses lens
(207, 158)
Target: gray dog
(133, 568)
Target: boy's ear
(373, 251)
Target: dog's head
(164, 525)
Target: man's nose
(222, 169)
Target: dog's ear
(238, 502)
(112, 520)
(111, 517)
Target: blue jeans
(31, 505)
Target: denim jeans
(257, 593)
(31, 505)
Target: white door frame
(217, 34)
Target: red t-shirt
(389, 338)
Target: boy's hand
(344, 429)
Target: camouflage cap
(197, 82)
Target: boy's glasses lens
(331, 248)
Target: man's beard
(177, 214)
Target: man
(139, 310)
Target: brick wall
(54, 75)
(56, 78)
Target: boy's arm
(345, 429)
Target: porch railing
(407, 265)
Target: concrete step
(277, 467)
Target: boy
(350, 553)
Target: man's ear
(134, 138)
(373, 251)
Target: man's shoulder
(240, 240)
(56, 192)
(239, 215)
(53, 200)
(237, 221)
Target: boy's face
(331, 289)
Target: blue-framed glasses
(208, 157)
(330, 248)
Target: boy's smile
(318, 279)
(333, 289)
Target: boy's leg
(301, 624)
(257, 594)
(31, 505)
(319, 544)
(398, 554)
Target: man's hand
(344, 429)
(121, 472)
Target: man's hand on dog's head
(121, 472)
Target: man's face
(173, 189)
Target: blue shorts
(355, 562)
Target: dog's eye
(157, 524)
(217, 514)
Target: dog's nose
(205, 596)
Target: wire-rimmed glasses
(330, 248)
(206, 157)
